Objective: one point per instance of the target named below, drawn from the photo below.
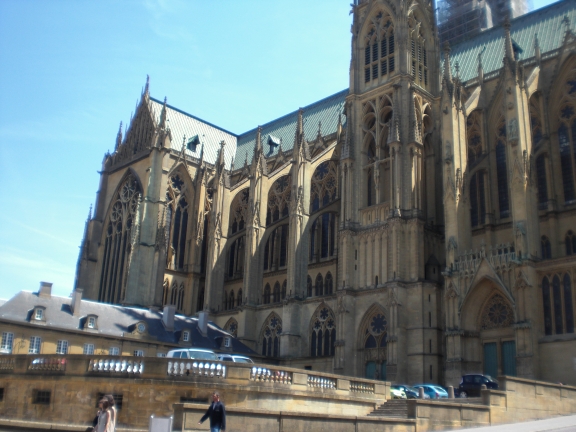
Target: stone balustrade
(269, 375)
(47, 364)
(6, 364)
(361, 387)
(187, 368)
(321, 382)
(116, 365)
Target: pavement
(557, 424)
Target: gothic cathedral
(417, 226)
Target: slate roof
(546, 22)
(183, 124)
(325, 111)
(114, 321)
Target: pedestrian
(104, 417)
(217, 414)
(113, 410)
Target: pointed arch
(279, 199)
(174, 294)
(165, 292)
(372, 342)
(270, 336)
(319, 286)
(276, 293)
(322, 331)
(181, 293)
(324, 185)
(231, 327)
(377, 42)
(117, 238)
(239, 211)
(496, 313)
(178, 217)
(266, 295)
(309, 286)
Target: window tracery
(570, 243)
(542, 181)
(557, 305)
(276, 293)
(324, 188)
(177, 221)
(309, 286)
(379, 48)
(372, 342)
(328, 284)
(323, 237)
(276, 248)
(546, 248)
(266, 296)
(501, 170)
(239, 213)
(231, 327)
(474, 135)
(567, 136)
(322, 332)
(497, 313)
(419, 57)
(477, 199)
(117, 241)
(236, 258)
(278, 200)
(319, 290)
(270, 336)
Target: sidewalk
(557, 424)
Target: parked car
(192, 353)
(411, 392)
(235, 358)
(471, 384)
(433, 390)
(397, 393)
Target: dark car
(411, 392)
(472, 383)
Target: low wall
(153, 385)
(186, 417)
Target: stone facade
(424, 229)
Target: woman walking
(104, 417)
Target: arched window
(284, 287)
(535, 119)
(236, 258)
(239, 211)
(372, 342)
(477, 199)
(200, 304)
(546, 248)
(309, 286)
(177, 220)
(231, 300)
(542, 181)
(328, 284)
(322, 332)
(324, 185)
(276, 292)
(501, 170)
(496, 313)
(239, 300)
(370, 188)
(323, 237)
(278, 200)
(166, 292)
(474, 136)
(319, 285)
(231, 327)
(568, 310)
(567, 136)
(419, 58)
(547, 306)
(181, 298)
(174, 294)
(557, 302)
(379, 48)
(117, 239)
(266, 298)
(270, 336)
(570, 243)
(276, 248)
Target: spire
(258, 142)
(221, 159)
(339, 127)
(232, 164)
(447, 68)
(394, 127)
(147, 88)
(415, 128)
(300, 145)
(509, 48)
(162, 124)
(480, 68)
(537, 52)
(119, 137)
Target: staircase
(395, 408)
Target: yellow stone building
(414, 227)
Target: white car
(192, 353)
(235, 358)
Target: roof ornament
(258, 142)
(319, 136)
(147, 88)
(447, 68)
(537, 52)
(119, 137)
(232, 164)
(339, 127)
(457, 68)
(202, 154)
(509, 48)
(480, 68)
(162, 124)
(90, 212)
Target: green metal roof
(545, 22)
(283, 129)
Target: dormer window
(273, 142)
(141, 327)
(186, 336)
(193, 143)
(39, 315)
(91, 322)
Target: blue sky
(70, 71)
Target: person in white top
(113, 411)
(104, 417)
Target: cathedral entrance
(373, 341)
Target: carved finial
(163, 115)
(457, 68)
(221, 155)
(147, 86)
(202, 154)
(537, 53)
(119, 137)
(232, 164)
(509, 49)
(258, 143)
(90, 213)
(447, 68)
(319, 136)
(480, 68)
(566, 22)
(300, 125)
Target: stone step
(397, 408)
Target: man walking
(217, 414)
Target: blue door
(490, 359)
(371, 370)
(509, 358)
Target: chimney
(45, 290)
(168, 317)
(203, 323)
(76, 300)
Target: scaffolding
(459, 20)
